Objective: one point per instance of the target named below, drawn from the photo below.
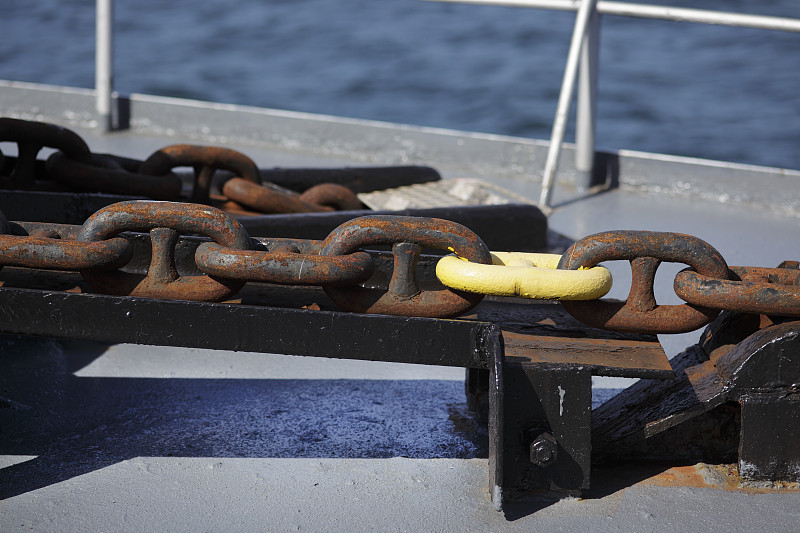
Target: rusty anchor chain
(708, 286)
(344, 263)
(269, 198)
(30, 138)
(758, 290)
(205, 160)
(100, 248)
(165, 221)
(74, 167)
(407, 236)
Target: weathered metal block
(769, 448)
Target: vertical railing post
(586, 111)
(104, 80)
(587, 7)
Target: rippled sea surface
(677, 88)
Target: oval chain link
(645, 250)
(769, 291)
(270, 198)
(165, 221)
(282, 261)
(31, 137)
(205, 160)
(407, 235)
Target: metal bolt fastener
(544, 450)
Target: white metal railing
(583, 54)
(103, 67)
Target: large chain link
(407, 235)
(645, 250)
(30, 138)
(708, 287)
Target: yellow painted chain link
(526, 275)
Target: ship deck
(131, 438)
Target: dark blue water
(677, 88)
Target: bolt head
(543, 451)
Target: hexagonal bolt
(544, 450)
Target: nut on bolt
(544, 450)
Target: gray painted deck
(127, 438)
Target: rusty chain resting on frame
(99, 248)
(230, 258)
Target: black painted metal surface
(245, 328)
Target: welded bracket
(736, 399)
(539, 392)
(541, 434)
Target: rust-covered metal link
(332, 195)
(165, 221)
(205, 160)
(407, 236)
(285, 261)
(112, 174)
(769, 291)
(53, 253)
(269, 198)
(645, 250)
(30, 138)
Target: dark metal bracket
(736, 398)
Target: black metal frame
(525, 401)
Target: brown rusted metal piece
(332, 195)
(268, 198)
(52, 253)
(285, 263)
(645, 250)
(770, 291)
(205, 160)
(32, 137)
(165, 221)
(542, 333)
(403, 297)
(112, 174)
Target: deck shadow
(75, 425)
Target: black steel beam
(252, 328)
(515, 227)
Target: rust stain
(720, 477)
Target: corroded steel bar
(770, 291)
(357, 179)
(112, 174)
(287, 267)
